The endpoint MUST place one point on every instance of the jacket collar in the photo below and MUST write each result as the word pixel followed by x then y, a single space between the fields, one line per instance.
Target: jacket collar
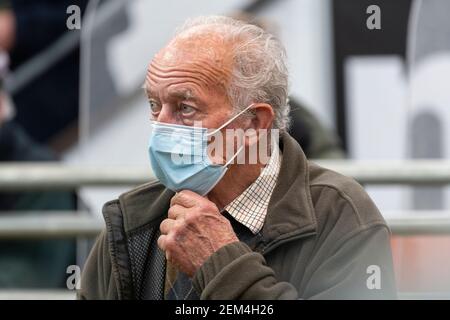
pixel 290 212
pixel 145 205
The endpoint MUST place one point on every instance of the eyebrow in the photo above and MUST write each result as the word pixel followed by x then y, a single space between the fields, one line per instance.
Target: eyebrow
pixel 184 94
pixel 147 91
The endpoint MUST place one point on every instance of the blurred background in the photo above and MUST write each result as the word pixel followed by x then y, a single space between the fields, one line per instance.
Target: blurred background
pixel 369 95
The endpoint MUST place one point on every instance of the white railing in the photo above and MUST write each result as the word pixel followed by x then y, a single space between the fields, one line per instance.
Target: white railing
pixel 73 224
pixel 39 176
pixel 37 224
pixel 56 175
pixel 30 176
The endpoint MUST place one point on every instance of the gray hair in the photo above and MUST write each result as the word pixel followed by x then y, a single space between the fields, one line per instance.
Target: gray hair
pixel 259 65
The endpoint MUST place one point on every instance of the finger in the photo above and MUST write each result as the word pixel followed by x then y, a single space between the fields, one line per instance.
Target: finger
pixel 176 212
pixel 168 256
pixel 166 226
pixel 186 198
pixel 162 242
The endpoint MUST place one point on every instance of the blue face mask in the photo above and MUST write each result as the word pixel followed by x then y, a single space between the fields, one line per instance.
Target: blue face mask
pixel 179 158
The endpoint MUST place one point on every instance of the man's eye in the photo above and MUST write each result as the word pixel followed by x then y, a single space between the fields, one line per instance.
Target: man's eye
pixel 154 106
pixel 186 109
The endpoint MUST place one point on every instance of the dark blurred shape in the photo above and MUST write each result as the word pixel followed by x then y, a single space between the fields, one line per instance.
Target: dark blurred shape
pixel 352 37
pixel 317 141
pixel 32 263
pixel 48 104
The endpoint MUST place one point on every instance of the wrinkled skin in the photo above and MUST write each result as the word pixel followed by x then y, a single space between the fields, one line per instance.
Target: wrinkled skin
pixel 193 231
pixel 186 82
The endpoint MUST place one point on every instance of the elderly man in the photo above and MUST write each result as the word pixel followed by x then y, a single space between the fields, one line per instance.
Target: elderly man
pixel 220 228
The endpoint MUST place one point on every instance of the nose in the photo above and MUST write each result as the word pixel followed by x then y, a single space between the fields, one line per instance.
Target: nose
pixel 166 115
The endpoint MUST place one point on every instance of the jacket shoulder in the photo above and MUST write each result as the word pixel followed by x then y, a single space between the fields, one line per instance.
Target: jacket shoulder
pixel 139 205
pixel 342 198
pixel 151 186
pixel 134 194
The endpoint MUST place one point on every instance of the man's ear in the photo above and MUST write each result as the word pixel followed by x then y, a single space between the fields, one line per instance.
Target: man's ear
pixel 263 116
pixel 260 123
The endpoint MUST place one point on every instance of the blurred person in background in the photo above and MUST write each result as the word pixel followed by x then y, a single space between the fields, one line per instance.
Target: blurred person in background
pixel 29 263
pixel 317 141
pixel 47 106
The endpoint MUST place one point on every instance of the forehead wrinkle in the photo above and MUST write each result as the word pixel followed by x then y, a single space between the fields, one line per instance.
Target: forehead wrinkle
pixel 204 60
pixel 179 73
pixel 211 74
pixel 215 66
pixel 181 92
pixel 222 75
pixel 180 80
pixel 194 78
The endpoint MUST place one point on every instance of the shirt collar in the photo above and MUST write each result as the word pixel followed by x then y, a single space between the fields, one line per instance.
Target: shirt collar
pixel 250 207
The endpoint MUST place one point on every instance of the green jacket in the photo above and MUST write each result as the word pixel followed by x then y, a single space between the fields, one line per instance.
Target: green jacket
pixel 322 237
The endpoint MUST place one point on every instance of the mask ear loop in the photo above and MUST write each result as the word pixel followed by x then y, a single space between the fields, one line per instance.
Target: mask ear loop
pixel 234 156
pixel 224 125
pixel 229 121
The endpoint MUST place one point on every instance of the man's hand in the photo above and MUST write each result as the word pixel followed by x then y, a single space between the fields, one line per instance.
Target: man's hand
pixel 194 230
